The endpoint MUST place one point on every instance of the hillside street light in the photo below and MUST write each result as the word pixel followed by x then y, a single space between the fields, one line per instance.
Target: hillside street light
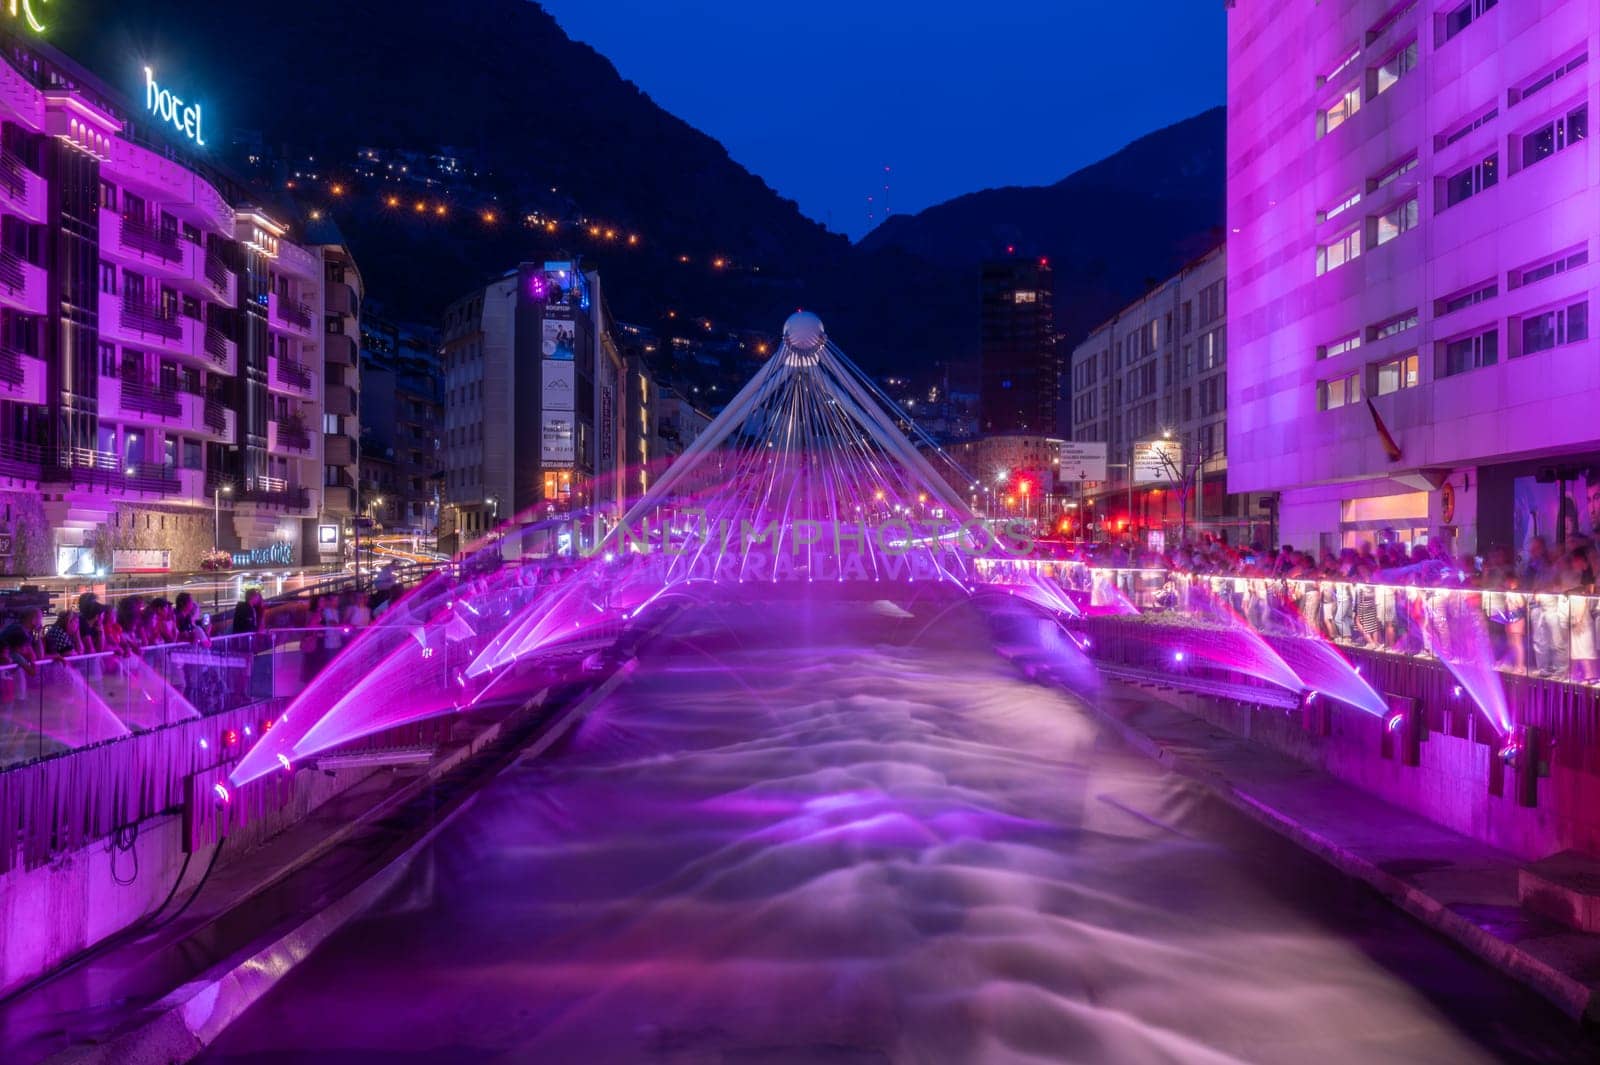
pixel 216 514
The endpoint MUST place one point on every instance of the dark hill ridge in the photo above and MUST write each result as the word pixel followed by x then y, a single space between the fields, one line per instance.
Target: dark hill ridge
pixel 500 79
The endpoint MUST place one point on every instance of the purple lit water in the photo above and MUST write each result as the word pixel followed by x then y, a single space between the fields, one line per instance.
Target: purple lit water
pixel 848 835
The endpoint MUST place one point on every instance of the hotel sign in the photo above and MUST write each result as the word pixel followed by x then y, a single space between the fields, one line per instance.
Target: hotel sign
pixel 23 9
pixel 280 553
pixel 162 103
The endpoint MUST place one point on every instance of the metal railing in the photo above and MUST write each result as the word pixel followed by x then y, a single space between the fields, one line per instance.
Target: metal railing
pixel 293 435
pixel 1550 632
pixel 292 373
pixel 293 497
pixel 216 272
pixel 148 239
pixel 11 272
pixel 10 365
pixel 61 704
pixel 13 175
pixel 147 317
pixel 216 415
pixel 150 398
pixel 294 312
pixel 216 344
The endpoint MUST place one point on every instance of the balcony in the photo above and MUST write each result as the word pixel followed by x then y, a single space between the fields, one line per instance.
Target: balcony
pixel 24 191
pixel 22 284
pixel 341 299
pixel 21 376
pixel 148 325
pixel 338 450
pixel 289 315
pixel 286 375
pixel 338 350
pixel 337 499
pixel 273 492
pixel 287 436
pixel 147 403
pixel 19 461
pixel 224 283
pixel 103 469
pixel 159 252
pixel 340 400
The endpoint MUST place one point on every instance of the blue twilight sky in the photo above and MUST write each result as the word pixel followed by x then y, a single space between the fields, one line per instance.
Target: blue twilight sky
pixel 818 96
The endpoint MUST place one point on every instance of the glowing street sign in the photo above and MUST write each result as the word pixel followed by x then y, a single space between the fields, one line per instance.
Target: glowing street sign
pixel 23 9
pixel 169 108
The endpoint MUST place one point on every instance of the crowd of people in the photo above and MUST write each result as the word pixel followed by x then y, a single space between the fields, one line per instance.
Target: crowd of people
pixel 1537 610
pixel 136 623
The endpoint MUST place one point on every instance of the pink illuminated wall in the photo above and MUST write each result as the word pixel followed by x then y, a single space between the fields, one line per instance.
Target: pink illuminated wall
pixel 1473 92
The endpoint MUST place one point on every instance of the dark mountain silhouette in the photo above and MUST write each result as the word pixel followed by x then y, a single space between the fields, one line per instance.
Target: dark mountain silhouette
pixel 501 83
pixel 1109 230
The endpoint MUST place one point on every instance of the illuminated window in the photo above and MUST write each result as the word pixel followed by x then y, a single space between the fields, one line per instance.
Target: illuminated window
pixel 1391 224
pixel 1341 67
pixel 1398 66
pixel 1340 251
pixel 1025 296
pixel 1339 208
pixel 1391 326
pixel 1339 391
pixel 1340 346
pixel 1389 176
pixel 1392 375
pixel 1342 110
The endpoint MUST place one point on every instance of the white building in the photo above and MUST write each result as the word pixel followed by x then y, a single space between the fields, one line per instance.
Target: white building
pixel 1158 370
pixel 1413 206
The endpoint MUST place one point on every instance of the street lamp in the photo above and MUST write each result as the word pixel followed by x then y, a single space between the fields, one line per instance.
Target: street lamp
pixel 216 514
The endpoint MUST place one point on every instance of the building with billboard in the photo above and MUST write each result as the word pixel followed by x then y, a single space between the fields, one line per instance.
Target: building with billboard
pixel 1412 206
pixel 533 426
pixel 162 370
pixel 1153 380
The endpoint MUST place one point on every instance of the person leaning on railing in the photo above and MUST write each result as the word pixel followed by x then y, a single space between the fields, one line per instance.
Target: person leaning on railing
pixel 186 621
pixel 64 636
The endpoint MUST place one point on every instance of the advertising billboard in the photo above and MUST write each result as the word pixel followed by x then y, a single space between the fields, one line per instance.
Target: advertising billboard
pixel 559 388
pixel 560 339
pixel 557 438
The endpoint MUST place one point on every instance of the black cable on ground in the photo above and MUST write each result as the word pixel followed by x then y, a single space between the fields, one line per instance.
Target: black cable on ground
pixel 123 841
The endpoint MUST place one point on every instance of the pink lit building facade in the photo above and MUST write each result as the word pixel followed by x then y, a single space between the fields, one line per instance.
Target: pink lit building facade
pixel 162 380
pixel 1413 213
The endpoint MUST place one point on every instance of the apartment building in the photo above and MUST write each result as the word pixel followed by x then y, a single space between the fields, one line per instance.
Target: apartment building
pixel 160 370
pixel 533 425
pixel 1158 371
pixel 1413 207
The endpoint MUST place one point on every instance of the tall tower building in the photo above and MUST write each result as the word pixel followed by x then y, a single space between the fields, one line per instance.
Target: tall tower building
pixel 1021 369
